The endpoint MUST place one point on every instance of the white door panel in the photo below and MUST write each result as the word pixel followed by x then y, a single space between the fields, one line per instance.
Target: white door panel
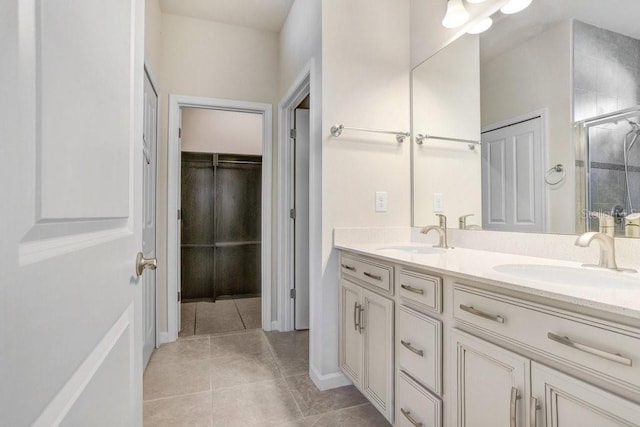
pixel 71 79
pixel 512 178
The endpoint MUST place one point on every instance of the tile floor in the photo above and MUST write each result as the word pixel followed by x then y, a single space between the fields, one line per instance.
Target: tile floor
pixel 246 378
pixel 203 318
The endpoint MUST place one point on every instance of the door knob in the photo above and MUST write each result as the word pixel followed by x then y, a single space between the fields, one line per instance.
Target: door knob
pixel 143 263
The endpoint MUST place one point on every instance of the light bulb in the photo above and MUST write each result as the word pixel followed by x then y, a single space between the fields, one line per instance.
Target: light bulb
pixel 475 1
pixel 515 6
pixel 456 14
pixel 481 26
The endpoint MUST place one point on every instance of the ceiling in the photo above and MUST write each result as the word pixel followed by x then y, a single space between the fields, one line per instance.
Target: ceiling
pixel 266 15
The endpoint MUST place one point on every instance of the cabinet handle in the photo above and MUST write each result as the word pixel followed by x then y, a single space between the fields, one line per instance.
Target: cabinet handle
pixel 512 407
pixel 373 276
pixel 360 310
pixel 348 267
pixel 408 345
pixel 494 317
pixel 408 416
pixel 412 289
pixel 591 350
pixel 534 407
pixel 355 315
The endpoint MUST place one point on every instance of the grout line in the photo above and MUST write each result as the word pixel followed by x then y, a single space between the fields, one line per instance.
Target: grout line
pixel 239 314
pixel 175 396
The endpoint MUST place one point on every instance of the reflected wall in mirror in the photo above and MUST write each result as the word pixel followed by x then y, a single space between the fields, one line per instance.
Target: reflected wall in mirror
pixel 558 85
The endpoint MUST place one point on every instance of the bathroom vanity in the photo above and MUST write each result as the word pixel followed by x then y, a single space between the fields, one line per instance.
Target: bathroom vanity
pixel 467 337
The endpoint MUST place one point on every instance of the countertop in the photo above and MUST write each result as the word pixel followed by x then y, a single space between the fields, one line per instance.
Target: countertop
pixel 478 265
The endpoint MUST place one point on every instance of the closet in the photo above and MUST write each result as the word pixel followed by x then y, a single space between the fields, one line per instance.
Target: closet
pixel 220 226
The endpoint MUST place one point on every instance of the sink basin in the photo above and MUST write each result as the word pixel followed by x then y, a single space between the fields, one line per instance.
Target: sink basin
pixel 424 250
pixel 578 276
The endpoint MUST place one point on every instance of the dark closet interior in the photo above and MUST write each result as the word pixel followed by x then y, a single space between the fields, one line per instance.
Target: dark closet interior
pixel 221 197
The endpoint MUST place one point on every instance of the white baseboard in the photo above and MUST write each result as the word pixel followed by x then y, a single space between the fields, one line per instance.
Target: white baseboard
pixel 163 338
pixel 329 381
pixel 275 326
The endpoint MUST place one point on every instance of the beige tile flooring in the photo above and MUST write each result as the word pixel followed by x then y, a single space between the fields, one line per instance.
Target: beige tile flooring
pixel 203 318
pixel 246 378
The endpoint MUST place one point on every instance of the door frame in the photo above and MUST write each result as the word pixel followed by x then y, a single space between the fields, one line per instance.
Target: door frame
pixel 302 86
pixel 154 84
pixel 173 190
pixel 543 113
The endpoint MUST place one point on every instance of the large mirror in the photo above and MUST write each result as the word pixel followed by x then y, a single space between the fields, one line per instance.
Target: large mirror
pixel 552 94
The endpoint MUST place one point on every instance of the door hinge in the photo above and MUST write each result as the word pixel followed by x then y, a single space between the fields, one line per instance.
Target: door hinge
pixel 179 214
pixel 179 296
pixel 292 134
pixel 179 132
pixel 292 214
pixel 292 293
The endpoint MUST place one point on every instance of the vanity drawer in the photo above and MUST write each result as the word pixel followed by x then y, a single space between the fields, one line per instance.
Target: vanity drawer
pixel 419 347
pixel 422 289
pixel 591 345
pixel 415 406
pixel 368 271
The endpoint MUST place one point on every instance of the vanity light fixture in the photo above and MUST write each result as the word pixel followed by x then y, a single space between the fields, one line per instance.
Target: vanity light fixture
pixel 456 14
pixel 515 6
pixel 481 26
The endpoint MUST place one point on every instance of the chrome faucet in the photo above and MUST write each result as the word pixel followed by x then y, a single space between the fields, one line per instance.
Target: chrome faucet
pixel 462 221
pixel 607 248
pixel 442 232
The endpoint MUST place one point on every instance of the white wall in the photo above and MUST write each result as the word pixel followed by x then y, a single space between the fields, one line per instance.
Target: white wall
pixel 446 102
pixel 218 131
pixel 536 74
pixel 365 78
pixel 152 31
pixel 208 59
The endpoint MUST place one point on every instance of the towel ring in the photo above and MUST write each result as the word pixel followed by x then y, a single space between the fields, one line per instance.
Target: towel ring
pixel 559 168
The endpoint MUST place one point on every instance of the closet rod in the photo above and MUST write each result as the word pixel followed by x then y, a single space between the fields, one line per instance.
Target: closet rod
pixel 336 131
pixel 471 143
pixel 239 162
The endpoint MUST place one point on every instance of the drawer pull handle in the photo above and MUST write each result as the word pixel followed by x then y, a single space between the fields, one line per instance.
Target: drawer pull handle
pixel 512 407
pixel 348 267
pixel 408 416
pixel 591 350
pixel 534 407
pixel 408 345
pixel 494 317
pixel 412 289
pixel 373 276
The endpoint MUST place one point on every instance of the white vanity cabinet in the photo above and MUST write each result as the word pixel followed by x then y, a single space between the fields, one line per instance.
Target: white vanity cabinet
pixel 366 336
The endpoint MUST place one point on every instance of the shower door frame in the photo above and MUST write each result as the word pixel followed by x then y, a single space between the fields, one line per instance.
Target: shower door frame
pixel 176 102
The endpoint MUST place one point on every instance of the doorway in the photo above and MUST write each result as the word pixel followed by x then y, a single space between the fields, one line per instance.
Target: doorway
pixel 177 104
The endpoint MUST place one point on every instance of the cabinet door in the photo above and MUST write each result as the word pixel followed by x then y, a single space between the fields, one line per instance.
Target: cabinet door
pixel 567 402
pixel 492 383
pixel 377 374
pixel 350 334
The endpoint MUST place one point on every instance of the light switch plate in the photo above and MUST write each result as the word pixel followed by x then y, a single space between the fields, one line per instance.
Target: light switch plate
pixel 438 203
pixel 381 201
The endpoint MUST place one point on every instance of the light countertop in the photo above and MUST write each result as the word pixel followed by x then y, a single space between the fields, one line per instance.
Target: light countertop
pixel 471 264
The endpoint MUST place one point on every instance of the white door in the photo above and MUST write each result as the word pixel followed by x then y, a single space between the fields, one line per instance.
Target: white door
pixel 568 402
pixel 512 178
pixel 492 383
pixel 301 265
pixel 71 79
pixel 149 168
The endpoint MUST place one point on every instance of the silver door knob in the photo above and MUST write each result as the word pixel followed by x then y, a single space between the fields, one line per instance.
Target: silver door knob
pixel 143 263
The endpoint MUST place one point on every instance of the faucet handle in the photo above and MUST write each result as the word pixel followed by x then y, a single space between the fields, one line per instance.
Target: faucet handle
pixel 443 220
pixel 462 221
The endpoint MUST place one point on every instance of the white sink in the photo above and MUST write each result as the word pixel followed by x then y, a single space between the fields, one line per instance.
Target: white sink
pixel 424 250
pixel 578 276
